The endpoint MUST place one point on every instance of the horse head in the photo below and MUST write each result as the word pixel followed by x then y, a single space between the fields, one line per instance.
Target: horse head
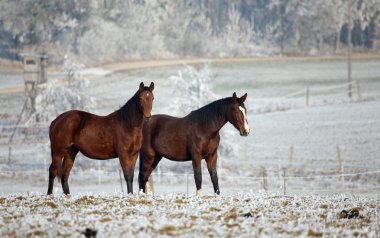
pixel 146 99
pixel 236 114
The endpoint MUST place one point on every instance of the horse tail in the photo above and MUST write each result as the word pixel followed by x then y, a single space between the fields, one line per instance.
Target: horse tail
pixel 52 149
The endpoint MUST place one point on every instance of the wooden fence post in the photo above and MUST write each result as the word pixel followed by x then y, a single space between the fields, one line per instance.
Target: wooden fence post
pixel 245 153
pixel 340 163
pixel 121 182
pixel 9 155
pixel 46 169
pixel 291 156
pixel 264 174
pixel 284 177
pixel 187 184
pixel 358 90
pixel 99 169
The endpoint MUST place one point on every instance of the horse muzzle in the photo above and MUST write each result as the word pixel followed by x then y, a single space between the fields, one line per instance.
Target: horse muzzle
pixel 244 132
pixel 147 118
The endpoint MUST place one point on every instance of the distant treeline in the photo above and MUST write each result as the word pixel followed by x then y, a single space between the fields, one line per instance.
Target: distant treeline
pixel 101 31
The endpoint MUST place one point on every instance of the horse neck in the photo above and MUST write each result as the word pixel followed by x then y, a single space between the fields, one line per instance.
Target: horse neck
pixel 213 118
pixel 131 113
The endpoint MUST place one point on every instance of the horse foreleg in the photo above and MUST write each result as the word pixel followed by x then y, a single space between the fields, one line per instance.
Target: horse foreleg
pixel 55 165
pixel 67 164
pixel 128 176
pixel 198 174
pixel 128 166
pixel 211 166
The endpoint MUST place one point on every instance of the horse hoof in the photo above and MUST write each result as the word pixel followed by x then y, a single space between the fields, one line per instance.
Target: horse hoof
pixel 200 192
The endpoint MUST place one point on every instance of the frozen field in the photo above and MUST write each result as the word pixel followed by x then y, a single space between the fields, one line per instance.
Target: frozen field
pixel 240 215
pixel 293 176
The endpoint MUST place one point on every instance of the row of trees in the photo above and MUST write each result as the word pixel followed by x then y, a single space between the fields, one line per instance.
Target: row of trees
pixel 324 24
pixel 101 31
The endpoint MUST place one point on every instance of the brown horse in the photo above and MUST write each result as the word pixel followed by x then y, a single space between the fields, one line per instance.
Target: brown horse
pixel 100 137
pixel 193 137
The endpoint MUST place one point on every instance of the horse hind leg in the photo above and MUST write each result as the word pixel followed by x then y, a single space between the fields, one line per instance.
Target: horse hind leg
pixel 67 165
pixel 211 166
pixel 54 169
pixel 147 165
pixel 149 183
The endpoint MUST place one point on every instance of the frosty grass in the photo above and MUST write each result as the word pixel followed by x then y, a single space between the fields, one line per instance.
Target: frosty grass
pixel 244 215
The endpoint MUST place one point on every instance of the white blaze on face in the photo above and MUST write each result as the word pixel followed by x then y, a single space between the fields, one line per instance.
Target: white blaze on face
pixel 246 127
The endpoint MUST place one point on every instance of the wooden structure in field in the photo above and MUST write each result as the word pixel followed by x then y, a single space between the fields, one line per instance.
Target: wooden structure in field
pixel 34 75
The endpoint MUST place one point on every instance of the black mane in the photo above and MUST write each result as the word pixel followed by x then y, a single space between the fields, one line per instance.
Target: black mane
pixel 211 113
pixel 128 112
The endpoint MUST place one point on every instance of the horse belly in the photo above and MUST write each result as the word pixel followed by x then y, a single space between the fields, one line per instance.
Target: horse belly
pixel 95 144
pixel 171 148
pixel 175 156
pixel 98 152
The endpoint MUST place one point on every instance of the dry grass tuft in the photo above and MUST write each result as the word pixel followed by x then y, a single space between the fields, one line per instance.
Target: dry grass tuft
pixel 314 233
pixel 51 204
pixel 167 230
pixel 135 202
pixel 36 233
pixel 107 219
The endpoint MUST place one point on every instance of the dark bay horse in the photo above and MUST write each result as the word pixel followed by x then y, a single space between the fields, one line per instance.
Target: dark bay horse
pixel 193 137
pixel 100 137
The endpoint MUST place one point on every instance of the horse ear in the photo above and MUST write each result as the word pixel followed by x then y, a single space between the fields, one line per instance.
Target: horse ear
pixel 244 97
pixel 141 86
pixel 151 86
pixel 234 96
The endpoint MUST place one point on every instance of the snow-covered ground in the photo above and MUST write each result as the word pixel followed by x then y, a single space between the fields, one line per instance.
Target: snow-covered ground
pixel 248 214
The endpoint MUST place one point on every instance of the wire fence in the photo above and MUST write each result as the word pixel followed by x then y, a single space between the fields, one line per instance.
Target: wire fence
pixel 306 92
pixel 309 89
pixel 361 183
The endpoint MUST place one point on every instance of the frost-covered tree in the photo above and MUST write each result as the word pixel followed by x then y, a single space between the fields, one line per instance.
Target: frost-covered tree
pixel 338 11
pixel 302 25
pixel 44 25
pixel 236 36
pixel 187 31
pixel 58 96
pixel 368 16
pixel 367 11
